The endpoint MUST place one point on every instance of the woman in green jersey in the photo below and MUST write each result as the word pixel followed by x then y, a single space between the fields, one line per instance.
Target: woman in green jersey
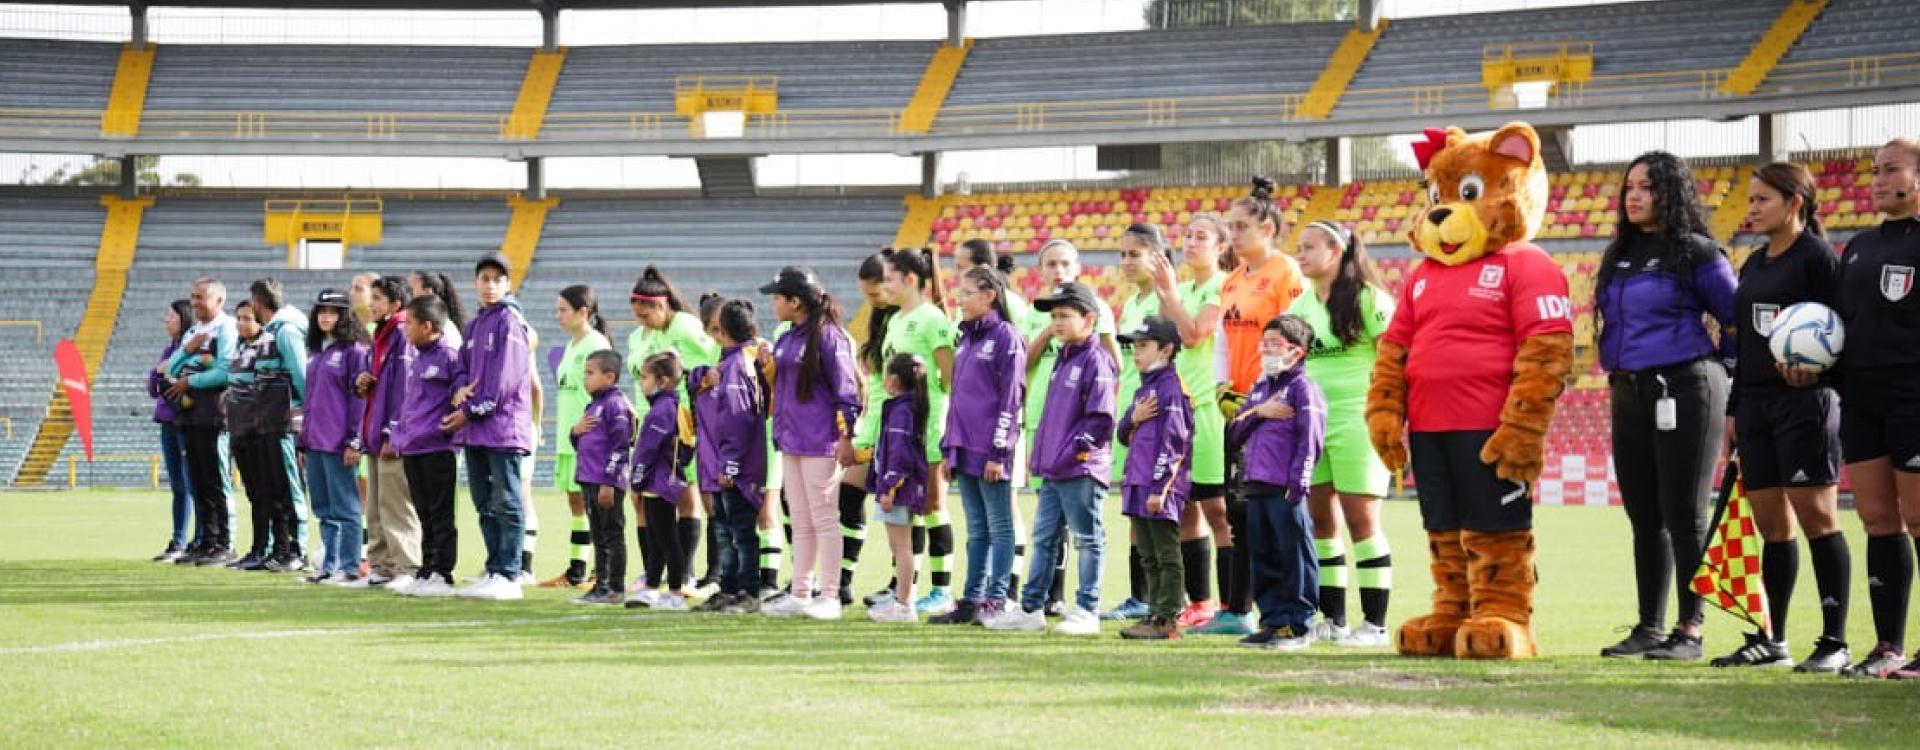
pixel 578 311
pixel 667 324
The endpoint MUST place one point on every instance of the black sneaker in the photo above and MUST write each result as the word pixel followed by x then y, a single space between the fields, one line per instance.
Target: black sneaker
pixel 1829 657
pixel 284 564
pixel 965 612
pixel 1757 652
pixel 1678 647
pixel 1884 658
pixel 1638 642
pixel 214 557
pixel 170 554
pixel 250 561
pixel 1262 638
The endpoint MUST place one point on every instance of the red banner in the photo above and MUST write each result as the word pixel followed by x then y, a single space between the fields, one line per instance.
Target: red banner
pixel 73 377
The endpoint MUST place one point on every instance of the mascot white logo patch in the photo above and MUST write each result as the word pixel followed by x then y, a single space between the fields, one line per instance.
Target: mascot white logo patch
pixel 1896 282
pixel 1491 276
pixel 1419 288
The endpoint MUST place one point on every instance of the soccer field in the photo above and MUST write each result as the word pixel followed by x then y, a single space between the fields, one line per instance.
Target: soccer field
pixel 100 648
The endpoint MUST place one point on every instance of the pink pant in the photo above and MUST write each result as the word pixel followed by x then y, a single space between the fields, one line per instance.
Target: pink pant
pixel 811 487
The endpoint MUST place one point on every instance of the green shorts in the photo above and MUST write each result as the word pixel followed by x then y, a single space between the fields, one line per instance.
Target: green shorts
pixel 563 466
pixel 1348 460
pixel 866 430
pixel 1209 442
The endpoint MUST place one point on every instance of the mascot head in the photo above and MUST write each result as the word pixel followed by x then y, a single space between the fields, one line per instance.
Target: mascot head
pixel 1484 191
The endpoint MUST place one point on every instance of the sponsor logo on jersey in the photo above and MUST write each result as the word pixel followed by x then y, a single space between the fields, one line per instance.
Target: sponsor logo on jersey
pixel 1491 276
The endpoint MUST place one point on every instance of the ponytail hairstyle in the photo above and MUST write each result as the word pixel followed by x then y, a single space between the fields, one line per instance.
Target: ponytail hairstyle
pixel 735 317
pixel 664 364
pixel 1791 180
pixel 920 264
pixel 1259 201
pixel 1229 257
pixel 980 253
pixel 709 305
pixel 581 297
pixel 395 290
pixel 1346 311
pixel 442 287
pixel 873 270
pixel 653 283
pixel 1156 242
pixel 990 280
pixel 913 379
pixel 822 314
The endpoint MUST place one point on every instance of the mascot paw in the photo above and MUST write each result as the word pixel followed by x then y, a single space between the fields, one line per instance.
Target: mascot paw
pixel 1494 638
pixel 1515 455
pixel 1428 635
pixel 1387 432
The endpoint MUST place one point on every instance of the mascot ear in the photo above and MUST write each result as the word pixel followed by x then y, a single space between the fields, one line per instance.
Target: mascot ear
pixel 1517 141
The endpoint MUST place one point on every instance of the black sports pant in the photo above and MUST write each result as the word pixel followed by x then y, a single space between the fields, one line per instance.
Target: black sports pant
pixel 1666 477
pixel 430 479
pixel 209 487
pixel 609 529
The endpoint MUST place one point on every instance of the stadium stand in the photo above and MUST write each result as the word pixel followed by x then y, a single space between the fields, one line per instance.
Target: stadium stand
pixel 60 75
pixel 827 75
pixel 335 78
pixel 47 251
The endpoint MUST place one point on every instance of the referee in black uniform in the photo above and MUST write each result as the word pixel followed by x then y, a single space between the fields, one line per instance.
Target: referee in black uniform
pixel 1786 421
pixel 1880 397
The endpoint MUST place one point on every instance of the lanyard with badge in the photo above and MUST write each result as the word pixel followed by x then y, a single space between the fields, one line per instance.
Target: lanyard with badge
pixel 1666 413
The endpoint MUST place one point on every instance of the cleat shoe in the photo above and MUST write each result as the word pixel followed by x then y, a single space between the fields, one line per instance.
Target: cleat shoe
pixel 562 581
pixel 1909 672
pixel 1829 657
pixel 1639 641
pixel 1678 647
pixel 878 598
pixel 1325 630
pixel 1883 660
pixel 1758 651
pixel 1131 609
pixel 1224 623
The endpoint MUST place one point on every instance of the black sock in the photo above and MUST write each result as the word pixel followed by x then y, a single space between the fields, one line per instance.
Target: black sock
pixel 1333 599
pixel 646 553
pixel 1058 591
pixel 940 550
pixel 853 528
pixel 1779 570
pixel 713 553
pixel 1833 574
pixel 1013 581
pixel 526 561
pixel 689 529
pixel 1193 555
pixel 1373 601
pixel 1223 572
pixel 1136 575
pixel 1889 581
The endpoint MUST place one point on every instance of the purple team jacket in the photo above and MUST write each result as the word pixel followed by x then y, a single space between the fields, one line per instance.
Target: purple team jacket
pixel 391 357
pixel 899 457
pixel 989 392
pixel 430 384
pixel 809 427
pixel 1282 452
pixel 1075 436
pixel 730 425
pixel 1159 450
pixel 157 385
pixel 602 452
pixel 658 461
pixel 1650 318
pixel 333 413
pixel 495 360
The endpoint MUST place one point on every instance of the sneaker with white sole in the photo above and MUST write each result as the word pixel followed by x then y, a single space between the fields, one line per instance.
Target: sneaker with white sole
pixel 432 586
pixel 642 599
pixel 1015 619
pixel 501 589
pixel 473 588
pixel 339 578
pixel 825 608
pixel 893 613
pixel 1325 630
pixel 937 602
pixel 669 602
pixel 362 582
pixel 1368 635
pixel 398 582
pixel 1078 621
pixel 788 606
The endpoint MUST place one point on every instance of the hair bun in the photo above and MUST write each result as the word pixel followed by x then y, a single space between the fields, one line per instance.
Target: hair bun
pixel 1262 188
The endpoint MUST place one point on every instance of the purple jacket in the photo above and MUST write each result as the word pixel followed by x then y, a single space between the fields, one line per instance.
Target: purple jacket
pixel 1075 436
pixel 333 413
pixel 601 453
pixel 156 385
pixel 1282 452
pixel 730 425
pixel 899 457
pixel 1651 318
pixel 430 384
pixel 809 427
pixel 989 389
pixel 495 360
pixel 389 385
pixel 1160 450
pixel 659 462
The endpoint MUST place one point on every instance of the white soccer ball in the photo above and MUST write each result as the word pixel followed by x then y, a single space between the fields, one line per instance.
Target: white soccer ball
pixel 1807 335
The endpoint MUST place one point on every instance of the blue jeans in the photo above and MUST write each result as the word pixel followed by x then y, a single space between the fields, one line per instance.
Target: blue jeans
pixel 493 478
pixel 173 453
pixel 989 509
pixel 336 501
pixel 735 527
pixel 1286 568
pixel 1075 505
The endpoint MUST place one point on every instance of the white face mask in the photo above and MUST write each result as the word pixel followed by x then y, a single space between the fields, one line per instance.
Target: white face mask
pixel 1274 364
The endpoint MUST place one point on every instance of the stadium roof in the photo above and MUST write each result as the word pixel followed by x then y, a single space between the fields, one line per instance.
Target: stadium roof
pixel 477 4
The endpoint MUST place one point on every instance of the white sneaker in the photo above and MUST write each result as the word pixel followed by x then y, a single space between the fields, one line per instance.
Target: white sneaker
pixel 1325 630
pixel 397 583
pixel 472 589
pixel 707 591
pixel 433 586
pixel 824 608
pixel 670 602
pixel 638 584
pixel 791 606
pixel 1078 621
pixel 1368 635
pixel 526 578
pixel 406 587
pixel 893 612
pixel 502 590
pixel 338 578
pixel 645 597
pixel 1015 619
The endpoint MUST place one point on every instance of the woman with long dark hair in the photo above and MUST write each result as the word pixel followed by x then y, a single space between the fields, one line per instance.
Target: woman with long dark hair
pixel 1660 275
pixel 869 334
pixel 331 427
pixel 921 328
pixel 1142 249
pixel 577 309
pixel 1349 309
pixel 429 283
pixel 173 452
pixel 667 324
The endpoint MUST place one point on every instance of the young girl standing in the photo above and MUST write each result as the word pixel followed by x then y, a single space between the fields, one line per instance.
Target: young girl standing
pixel 983 430
pixel 899 476
pixel 667 324
pixel 730 414
pixel 331 426
pixel 659 456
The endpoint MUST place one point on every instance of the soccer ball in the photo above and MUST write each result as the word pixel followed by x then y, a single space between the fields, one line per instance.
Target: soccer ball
pixel 1807 335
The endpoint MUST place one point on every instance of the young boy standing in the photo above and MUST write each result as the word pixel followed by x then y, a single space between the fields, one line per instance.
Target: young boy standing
pixel 492 419
pixel 1280 433
pixel 600 441
pixel 426 449
pixel 1158 431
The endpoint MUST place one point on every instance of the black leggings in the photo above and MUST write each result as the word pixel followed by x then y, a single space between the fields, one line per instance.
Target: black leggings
pixel 663 535
pixel 205 471
pixel 1666 477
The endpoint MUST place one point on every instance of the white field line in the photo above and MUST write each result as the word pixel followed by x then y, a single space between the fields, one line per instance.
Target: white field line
pixel 123 643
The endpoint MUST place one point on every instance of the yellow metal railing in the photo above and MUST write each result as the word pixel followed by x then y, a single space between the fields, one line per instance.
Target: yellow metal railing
pixel 9 423
pixel 38 331
pixel 151 459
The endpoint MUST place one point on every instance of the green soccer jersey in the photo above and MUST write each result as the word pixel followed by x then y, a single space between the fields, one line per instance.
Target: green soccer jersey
pixel 571 401
pixel 921 332
pixel 684 336
pixel 1344 371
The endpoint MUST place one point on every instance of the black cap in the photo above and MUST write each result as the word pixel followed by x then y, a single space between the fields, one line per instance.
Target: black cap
pixel 792 281
pixel 1072 294
pixel 1156 329
pixel 332 298
pixel 497 261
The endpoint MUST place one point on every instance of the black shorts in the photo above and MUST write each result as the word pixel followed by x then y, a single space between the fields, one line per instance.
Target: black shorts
pixel 1788 438
pixel 1458 492
pixel 1207 491
pixel 1880 417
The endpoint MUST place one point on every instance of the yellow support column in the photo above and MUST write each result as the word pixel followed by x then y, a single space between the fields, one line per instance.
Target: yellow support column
pixel 523 233
pixel 129 95
pixel 536 91
pixel 917 226
pixel 1340 70
pixel 935 83
pixel 1732 212
pixel 1773 45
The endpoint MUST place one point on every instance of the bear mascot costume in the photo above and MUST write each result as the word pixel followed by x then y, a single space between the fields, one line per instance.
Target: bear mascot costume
pixel 1465 383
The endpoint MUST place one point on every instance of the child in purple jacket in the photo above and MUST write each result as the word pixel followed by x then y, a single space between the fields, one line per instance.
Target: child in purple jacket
pixel 426 446
pixel 1157 428
pixel 493 419
pixel 730 417
pixel 1279 434
pixel 338 343
pixel 661 452
pixel 601 440
pixel 898 477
